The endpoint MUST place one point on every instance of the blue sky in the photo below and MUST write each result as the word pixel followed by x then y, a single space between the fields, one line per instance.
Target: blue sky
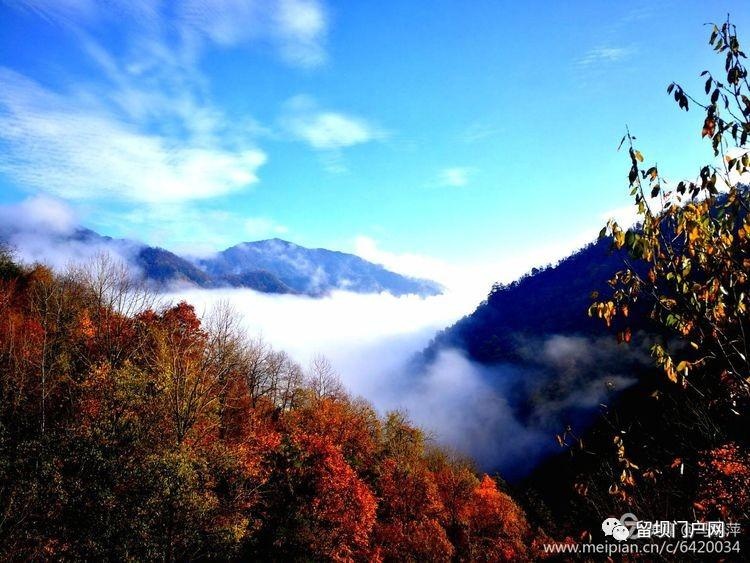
pixel 464 131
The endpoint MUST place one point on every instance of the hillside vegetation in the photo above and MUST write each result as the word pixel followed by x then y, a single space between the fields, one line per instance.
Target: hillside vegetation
pixel 131 431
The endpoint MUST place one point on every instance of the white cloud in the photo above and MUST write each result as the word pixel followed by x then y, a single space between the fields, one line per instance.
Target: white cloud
pixel 39 214
pixel 472 279
pixel 625 216
pixel 77 149
pixel 297 28
pixel 455 177
pixel 43 229
pixel 303 19
pixel 76 12
pixel 604 55
pixel 224 22
pixel 479 131
pixel 301 28
pixel 329 130
pixel 143 132
pixel 258 227
pixel 343 326
pixel 461 403
pixel 408 264
pixel 372 340
pixel 324 129
pixel 475 276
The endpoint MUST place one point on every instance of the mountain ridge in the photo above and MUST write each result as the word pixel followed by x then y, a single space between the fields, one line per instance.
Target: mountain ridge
pixel 269 265
pixel 313 271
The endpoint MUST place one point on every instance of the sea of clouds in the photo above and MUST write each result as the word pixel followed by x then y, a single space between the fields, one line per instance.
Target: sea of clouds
pixel 504 416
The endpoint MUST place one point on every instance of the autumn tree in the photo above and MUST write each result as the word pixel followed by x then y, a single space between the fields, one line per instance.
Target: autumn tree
pixel 695 238
pixel 322 378
pixel 133 430
pixel 317 506
pixel 689 256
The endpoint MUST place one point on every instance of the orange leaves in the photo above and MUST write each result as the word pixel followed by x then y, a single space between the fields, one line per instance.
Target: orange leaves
pixel 488 503
pixel 494 527
pixel 709 127
pixel 724 474
pixel 664 360
pixel 314 504
pixel 353 427
pixel 424 540
pixel 605 310
pixel 341 511
pixel 691 255
pixel 182 318
pixel 181 431
pixel 408 493
pixel 86 328
pixel 497 526
pixel 719 312
pixel 624 336
pixel 619 239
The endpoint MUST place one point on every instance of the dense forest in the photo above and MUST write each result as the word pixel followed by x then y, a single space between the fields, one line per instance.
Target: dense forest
pixel 135 431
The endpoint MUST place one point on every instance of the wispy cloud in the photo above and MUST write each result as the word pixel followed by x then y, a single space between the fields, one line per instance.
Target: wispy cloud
pixel 143 131
pixel 42 229
pixel 455 176
pixel 325 129
pixel 479 131
pixel 75 13
pixel 77 148
pixel 258 227
pixel 301 28
pixel 604 55
pixel 297 28
pixel 193 230
pixel 330 130
pixel 38 214
pixel 470 279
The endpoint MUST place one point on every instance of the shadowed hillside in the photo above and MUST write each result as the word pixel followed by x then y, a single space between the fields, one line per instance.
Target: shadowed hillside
pixel 546 301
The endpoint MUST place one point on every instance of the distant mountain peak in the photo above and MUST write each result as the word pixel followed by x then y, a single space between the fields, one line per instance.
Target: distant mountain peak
pixel 313 271
pixel 268 242
pixel 271 265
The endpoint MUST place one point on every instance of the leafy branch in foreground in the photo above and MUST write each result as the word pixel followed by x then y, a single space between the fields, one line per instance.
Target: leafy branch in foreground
pixel 687 263
pixel 695 239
